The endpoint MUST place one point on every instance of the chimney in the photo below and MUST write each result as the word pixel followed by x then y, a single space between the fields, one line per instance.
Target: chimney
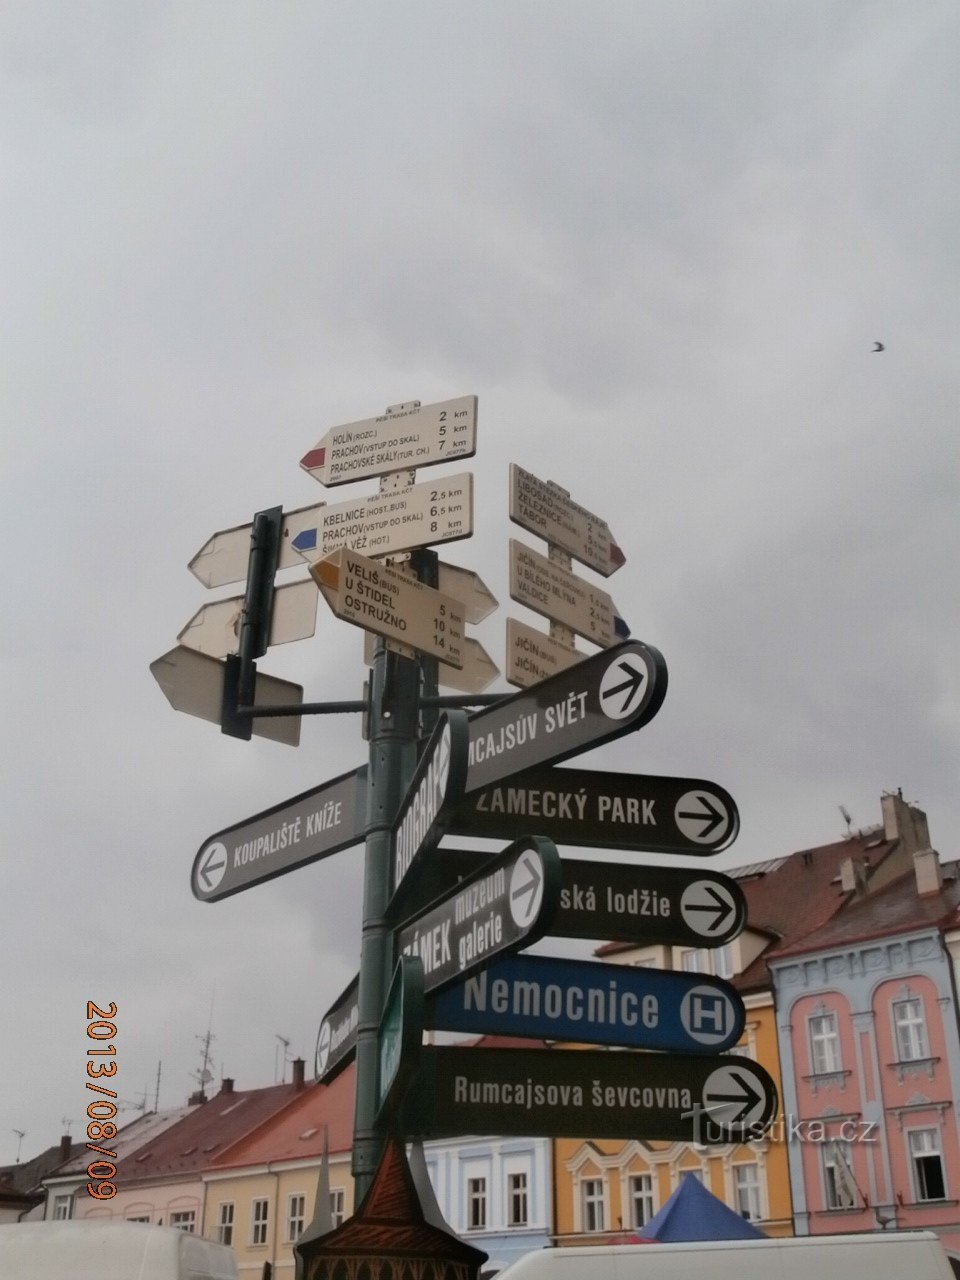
pixel 929 873
pixel 904 822
pixel 226 1085
pixel 196 1098
pixel 65 1145
pixel 853 876
pixel 298 1071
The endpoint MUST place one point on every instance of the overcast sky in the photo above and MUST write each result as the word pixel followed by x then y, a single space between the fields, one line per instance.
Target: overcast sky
pixel 657 240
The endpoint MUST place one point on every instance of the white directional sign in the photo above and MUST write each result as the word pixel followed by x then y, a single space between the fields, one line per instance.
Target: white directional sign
pixel 224 558
pixel 532 656
pixel 379 599
pixel 400 441
pixel 397 520
pixel 193 682
pixel 215 629
pixel 469 588
pixel 477 673
pixel 548 512
pixel 563 597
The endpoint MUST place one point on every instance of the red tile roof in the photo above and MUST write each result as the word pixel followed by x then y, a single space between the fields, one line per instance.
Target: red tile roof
pixel 296 1132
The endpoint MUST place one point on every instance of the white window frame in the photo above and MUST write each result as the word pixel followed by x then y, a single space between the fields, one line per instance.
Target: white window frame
pixel 337 1202
pixel 695 960
pixel 184 1220
pixel 640 1195
pixel 909 1029
pixel 825 1055
pixel 930 1140
pixel 746 1190
pixel 593 1204
pixel 296 1213
pixel 835 1194
pixel 225 1213
pixel 477 1203
pixel 518 1199
pixel 259 1220
pixel 62 1208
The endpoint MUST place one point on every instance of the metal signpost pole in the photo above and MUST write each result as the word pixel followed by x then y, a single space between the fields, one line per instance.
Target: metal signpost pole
pixel 393 751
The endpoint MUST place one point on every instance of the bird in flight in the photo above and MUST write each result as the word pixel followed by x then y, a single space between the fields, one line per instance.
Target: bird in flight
pixel 878 346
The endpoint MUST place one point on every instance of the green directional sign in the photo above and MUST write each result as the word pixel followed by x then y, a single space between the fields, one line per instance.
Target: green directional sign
pixel 588 1093
pixel 401 1031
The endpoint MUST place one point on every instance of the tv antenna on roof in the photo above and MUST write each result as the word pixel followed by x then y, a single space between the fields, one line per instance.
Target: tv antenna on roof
pixel 847 819
pixel 280 1063
pixel 21 1134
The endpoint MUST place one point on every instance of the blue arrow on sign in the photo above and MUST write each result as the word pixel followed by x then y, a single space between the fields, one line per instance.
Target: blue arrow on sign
pixel 591 1003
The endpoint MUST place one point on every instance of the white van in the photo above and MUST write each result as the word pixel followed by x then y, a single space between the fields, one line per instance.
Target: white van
pixel 94 1250
pixel 892 1255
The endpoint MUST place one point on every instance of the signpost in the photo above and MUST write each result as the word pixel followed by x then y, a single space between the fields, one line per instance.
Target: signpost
pixel 601 698
pixel 193 682
pixel 588 1094
pixel 312 825
pixel 582 1001
pixel 418 436
pixel 434 792
pixel 533 656
pixel 224 557
pixel 507 904
pixel 215 628
pixel 545 510
pixel 337 1037
pixel 391 521
pixel 562 597
pixel 380 599
pixel 605 810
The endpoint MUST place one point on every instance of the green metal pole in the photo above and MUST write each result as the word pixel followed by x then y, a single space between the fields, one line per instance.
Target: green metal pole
pixel 393 726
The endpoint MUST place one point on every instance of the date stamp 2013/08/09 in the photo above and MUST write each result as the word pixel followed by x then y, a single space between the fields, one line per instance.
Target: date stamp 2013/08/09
pixel 102 1111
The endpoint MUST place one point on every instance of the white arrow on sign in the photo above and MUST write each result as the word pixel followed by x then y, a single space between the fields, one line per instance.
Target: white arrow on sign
pixel 526 888
pixel 623 686
pixel 193 682
pixel 379 599
pixel 706 907
pixel 733 1097
pixel 224 558
pixel 701 817
pixel 215 629
pixel 411 436
pixel 211 867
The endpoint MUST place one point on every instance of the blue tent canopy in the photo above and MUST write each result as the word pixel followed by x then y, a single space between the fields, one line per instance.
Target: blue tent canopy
pixel 694 1213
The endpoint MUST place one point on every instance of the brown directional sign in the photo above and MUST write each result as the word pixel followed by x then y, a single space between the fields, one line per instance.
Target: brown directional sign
pixel 604 810
pixel 557 1093
pixel 508 903
pixel 312 825
pixel 601 698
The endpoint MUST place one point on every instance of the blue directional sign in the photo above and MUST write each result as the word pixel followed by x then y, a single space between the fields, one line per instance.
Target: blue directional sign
pixel 580 1000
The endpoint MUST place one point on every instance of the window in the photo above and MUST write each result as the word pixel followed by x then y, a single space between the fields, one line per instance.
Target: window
pixel 746 1187
pixel 62 1207
pixel 910 1029
pixel 336 1206
pixel 184 1220
pixel 641 1198
pixel 695 961
pixel 591 1193
pixel 824 1044
pixel 839 1187
pixel 517 1206
pixel 138 1217
pixel 296 1211
pixel 260 1211
pixel 225 1223
pixel 927 1162
pixel 476 1204
pixel 723 961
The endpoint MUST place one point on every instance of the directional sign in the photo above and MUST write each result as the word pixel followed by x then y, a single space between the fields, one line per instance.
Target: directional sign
pixel 605 810
pixel 397 520
pixel 337 1038
pixel 215 629
pixel 545 510
pixel 601 698
pixel 312 825
pixel 477 673
pixel 469 588
pixel 193 682
pixel 532 656
pixel 508 904
pixel 225 557
pixel 563 597
pixel 380 599
pixel 434 792
pixel 620 902
pixel 414 437
pixel 580 1000
pixel 401 1031
pixel 588 1093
